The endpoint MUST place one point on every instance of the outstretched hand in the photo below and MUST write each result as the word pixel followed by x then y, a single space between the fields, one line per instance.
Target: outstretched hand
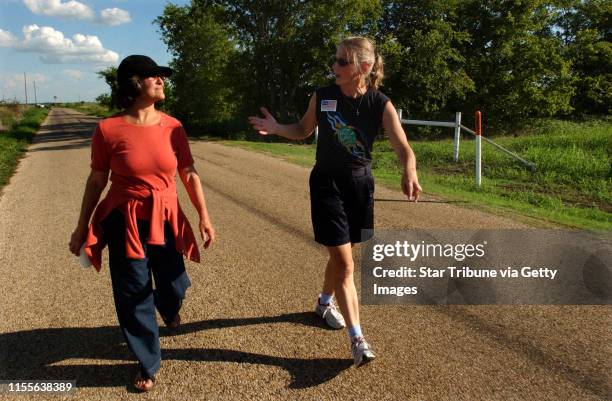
pixel 266 125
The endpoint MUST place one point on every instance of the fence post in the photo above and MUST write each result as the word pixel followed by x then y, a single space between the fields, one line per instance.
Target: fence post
pixel 399 114
pixel 457 135
pixel 316 134
pixel 478 141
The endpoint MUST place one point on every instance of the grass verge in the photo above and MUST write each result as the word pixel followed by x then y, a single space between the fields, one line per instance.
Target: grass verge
pixel 90 108
pixel 14 142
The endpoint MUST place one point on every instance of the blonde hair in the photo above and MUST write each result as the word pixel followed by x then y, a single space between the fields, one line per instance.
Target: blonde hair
pixel 360 50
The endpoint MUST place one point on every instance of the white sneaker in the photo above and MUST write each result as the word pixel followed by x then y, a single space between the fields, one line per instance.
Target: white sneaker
pixel 362 353
pixel 331 315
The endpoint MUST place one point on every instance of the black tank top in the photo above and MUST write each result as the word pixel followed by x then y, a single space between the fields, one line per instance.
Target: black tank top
pixel 347 127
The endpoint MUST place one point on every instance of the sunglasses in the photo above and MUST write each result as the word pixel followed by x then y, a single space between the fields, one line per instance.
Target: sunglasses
pixel 342 62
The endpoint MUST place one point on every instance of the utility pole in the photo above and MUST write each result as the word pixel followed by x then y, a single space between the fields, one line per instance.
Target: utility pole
pixel 25 87
pixel 35 100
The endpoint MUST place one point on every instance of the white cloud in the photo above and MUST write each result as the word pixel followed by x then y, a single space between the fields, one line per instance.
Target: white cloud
pixel 7 39
pixel 114 16
pixel 53 48
pixel 74 74
pixel 39 78
pixel 75 10
pixel 12 82
pixel 55 8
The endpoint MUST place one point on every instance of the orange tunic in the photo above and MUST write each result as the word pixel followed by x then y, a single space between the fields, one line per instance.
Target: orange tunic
pixel 143 161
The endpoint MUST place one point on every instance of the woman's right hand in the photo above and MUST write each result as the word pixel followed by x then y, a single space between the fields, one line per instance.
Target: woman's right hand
pixel 207 232
pixel 76 240
pixel 266 125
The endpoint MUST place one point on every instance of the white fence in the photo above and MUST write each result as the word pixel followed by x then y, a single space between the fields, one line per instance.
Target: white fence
pixel 457 126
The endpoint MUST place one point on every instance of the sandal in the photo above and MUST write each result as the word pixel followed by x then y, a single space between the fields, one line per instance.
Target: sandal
pixel 142 384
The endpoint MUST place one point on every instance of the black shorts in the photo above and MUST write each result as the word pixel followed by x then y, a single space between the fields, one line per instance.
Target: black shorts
pixel 342 205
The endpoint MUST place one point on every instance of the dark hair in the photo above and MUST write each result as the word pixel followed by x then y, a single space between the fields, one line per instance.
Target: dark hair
pixel 127 91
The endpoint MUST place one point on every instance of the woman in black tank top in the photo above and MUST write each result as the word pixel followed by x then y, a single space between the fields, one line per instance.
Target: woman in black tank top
pixel 349 114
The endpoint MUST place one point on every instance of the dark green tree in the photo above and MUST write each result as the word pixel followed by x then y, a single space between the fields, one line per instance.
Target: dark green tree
pixel 512 59
pixel 287 45
pixel 110 76
pixel 515 60
pixel 105 100
pixel 424 67
pixel 203 83
pixel 231 56
pixel 586 28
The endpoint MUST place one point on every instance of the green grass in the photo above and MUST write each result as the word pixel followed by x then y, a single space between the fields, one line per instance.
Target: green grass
pixel 9 114
pixel 304 155
pixel 92 108
pixel 14 142
pixel 572 185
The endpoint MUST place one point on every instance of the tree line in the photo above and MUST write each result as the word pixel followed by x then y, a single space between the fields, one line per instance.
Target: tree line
pixel 511 59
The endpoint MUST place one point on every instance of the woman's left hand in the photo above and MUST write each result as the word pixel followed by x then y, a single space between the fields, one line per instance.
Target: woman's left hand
pixel 77 239
pixel 207 232
pixel 410 185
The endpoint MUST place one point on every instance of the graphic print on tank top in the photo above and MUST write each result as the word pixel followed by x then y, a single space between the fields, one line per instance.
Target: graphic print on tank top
pixel 348 136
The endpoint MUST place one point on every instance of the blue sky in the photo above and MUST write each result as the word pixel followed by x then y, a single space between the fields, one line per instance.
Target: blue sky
pixel 61 44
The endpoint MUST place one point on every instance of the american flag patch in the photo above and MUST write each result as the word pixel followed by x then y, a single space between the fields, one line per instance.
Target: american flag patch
pixel 328 105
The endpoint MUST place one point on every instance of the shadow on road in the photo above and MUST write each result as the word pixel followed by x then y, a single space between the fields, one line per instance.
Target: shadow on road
pixel 66 354
pixel 581 377
pixel 74 135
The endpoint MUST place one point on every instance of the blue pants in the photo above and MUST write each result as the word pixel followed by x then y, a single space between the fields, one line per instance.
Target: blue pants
pixel 135 298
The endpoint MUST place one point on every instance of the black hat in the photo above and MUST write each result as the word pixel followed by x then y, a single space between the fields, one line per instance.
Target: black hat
pixel 142 66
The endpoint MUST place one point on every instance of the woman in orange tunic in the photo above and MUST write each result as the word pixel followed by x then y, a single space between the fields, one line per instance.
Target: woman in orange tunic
pixel 140 218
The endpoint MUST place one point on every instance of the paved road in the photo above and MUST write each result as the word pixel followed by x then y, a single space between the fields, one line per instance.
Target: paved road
pixel 249 332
